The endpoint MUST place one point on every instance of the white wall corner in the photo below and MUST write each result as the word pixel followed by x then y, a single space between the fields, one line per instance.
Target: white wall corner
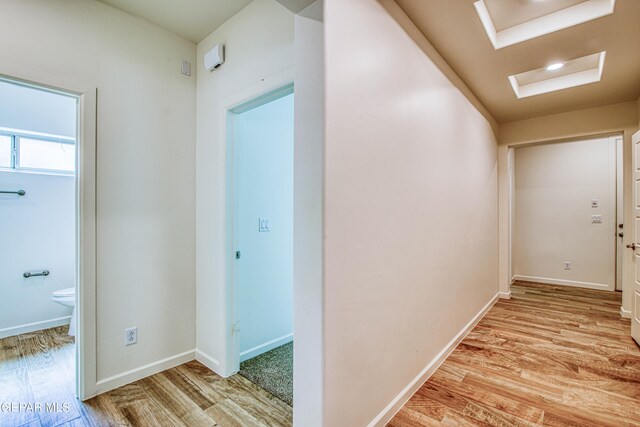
pixel 403 397
pixel 209 361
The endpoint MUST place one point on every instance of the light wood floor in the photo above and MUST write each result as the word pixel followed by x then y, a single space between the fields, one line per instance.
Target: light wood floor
pixel 551 356
pixel 39 368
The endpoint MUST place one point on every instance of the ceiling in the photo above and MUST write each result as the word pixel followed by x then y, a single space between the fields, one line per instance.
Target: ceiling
pixel 506 14
pixel 455 30
pixel 191 19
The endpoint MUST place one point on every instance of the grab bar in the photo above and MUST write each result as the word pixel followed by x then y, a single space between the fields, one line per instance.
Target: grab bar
pixel 42 273
pixel 19 192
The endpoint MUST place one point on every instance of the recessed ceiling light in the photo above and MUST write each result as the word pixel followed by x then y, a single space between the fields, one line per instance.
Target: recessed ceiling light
pixel 555 66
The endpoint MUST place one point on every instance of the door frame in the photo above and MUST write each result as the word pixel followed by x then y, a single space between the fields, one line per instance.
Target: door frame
pixel 635 290
pixel 506 166
pixel 85 207
pixel 267 90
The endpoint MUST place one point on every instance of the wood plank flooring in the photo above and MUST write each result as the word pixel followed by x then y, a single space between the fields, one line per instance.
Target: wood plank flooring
pixel 39 368
pixel 549 356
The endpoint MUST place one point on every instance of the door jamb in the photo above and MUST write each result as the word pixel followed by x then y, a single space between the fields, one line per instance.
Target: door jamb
pixel 85 201
pixel 276 84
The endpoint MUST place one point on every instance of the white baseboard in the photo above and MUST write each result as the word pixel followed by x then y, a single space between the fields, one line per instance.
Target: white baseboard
pixel 35 326
pixel 505 295
pixel 625 313
pixel 136 374
pixel 208 361
pixel 561 282
pixel 398 402
pixel 263 348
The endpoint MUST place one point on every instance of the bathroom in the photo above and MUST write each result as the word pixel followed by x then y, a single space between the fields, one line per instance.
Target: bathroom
pixel 38 130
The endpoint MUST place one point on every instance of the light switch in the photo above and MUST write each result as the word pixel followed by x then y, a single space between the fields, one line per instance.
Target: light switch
pixel 596 219
pixel 264 225
pixel 186 68
pixel 594 203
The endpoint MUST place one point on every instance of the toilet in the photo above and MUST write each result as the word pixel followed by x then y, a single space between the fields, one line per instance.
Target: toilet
pixel 67 297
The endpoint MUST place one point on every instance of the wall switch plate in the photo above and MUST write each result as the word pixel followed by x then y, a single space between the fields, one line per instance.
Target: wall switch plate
pixel 130 336
pixel 567 265
pixel 596 219
pixel 186 68
pixel 264 225
pixel 594 203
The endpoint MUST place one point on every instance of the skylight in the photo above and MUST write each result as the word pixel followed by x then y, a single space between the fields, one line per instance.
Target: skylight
pixel 576 72
pixel 536 20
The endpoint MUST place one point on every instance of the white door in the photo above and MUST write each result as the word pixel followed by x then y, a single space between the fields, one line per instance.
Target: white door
pixel 635 306
pixel 620 251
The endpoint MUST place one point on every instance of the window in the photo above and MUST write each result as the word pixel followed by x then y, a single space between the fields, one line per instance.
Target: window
pixel 20 151
pixel 42 154
pixel 6 144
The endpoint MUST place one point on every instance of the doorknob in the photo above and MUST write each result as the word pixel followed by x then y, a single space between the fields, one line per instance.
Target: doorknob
pixel 620 234
pixel 632 246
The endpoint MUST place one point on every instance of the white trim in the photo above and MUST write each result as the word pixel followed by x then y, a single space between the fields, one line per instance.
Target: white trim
pixel 399 401
pixel 136 374
pixel 209 361
pixel 263 348
pixel 86 253
pixel 562 282
pixel 625 313
pixel 35 326
pixel 505 295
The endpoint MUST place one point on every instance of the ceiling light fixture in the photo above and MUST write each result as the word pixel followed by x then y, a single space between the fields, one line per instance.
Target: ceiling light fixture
pixel 555 66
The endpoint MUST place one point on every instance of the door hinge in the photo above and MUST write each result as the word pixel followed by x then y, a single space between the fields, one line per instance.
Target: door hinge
pixel 235 328
pixel 238 254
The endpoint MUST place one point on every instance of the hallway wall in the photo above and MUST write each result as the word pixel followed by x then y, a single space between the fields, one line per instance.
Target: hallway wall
pixel 554 187
pixel 410 211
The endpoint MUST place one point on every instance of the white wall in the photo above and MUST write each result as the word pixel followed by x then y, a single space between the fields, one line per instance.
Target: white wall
pixel 145 164
pixel 583 124
pixel 264 140
pixel 259 44
pixel 38 233
pixel 25 108
pixel 554 187
pixel 411 251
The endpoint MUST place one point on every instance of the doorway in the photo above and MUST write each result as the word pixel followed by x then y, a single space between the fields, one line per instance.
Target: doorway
pixel 566 213
pixel 261 142
pixel 39 133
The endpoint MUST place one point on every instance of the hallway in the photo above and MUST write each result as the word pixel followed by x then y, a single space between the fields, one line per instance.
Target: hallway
pixel 551 355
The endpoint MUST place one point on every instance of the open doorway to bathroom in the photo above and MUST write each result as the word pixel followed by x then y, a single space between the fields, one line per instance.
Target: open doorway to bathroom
pixel 38 257
pixel 261 137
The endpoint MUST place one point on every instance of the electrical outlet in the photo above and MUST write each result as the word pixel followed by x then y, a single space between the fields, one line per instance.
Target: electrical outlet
pixel 596 219
pixel 567 265
pixel 130 336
